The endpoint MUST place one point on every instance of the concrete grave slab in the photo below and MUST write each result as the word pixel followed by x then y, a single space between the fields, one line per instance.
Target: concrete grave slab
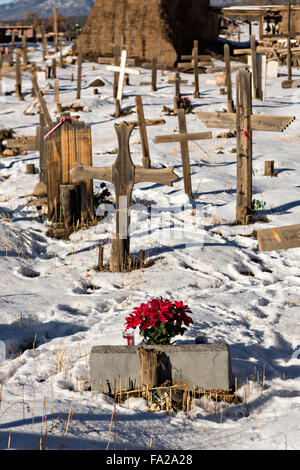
pixel 207 366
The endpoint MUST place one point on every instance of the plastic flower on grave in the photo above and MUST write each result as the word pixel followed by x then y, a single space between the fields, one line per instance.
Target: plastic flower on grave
pixel 159 320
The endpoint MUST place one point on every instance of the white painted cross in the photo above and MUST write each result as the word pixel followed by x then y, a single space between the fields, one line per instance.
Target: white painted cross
pixel 122 70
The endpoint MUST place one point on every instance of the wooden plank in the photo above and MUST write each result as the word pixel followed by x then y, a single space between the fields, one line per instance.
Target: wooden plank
pixel 148 122
pixel 24 143
pixel 163 139
pixel 258 122
pixel 280 238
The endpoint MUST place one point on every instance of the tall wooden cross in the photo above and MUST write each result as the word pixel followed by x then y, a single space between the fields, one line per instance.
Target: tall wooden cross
pixel 155 66
pixel 122 70
pixel 183 137
pixel 245 123
pixel 12 46
pixel 123 174
pixel 79 73
pixel 230 105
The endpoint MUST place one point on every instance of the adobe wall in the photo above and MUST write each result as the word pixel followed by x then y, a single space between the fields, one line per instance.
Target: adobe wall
pixel 161 28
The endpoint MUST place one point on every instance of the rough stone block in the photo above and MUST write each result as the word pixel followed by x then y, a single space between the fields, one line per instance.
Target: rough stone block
pixel 206 366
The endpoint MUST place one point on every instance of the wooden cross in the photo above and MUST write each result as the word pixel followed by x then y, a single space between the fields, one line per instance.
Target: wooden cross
pixel 123 174
pixel 155 66
pixel 44 45
pixel 183 137
pixel 280 238
pixel 245 123
pixel 122 69
pixel 24 47
pixel 194 57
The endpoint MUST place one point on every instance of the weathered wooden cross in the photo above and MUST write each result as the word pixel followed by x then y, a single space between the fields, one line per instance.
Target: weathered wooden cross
pixel 183 137
pixel 123 174
pixel 245 123
pixel 40 98
pixel 155 66
pixel 230 105
pixel 55 29
pixel 122 69
pixel 12 46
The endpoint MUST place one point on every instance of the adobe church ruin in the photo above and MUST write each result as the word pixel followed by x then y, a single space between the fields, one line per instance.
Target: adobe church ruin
pixel 162 28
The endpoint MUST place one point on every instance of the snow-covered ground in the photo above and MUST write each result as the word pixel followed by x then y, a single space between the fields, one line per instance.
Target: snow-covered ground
pixel 248 299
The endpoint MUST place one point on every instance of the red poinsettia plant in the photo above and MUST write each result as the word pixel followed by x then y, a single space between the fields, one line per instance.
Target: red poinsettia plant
pixel 159 320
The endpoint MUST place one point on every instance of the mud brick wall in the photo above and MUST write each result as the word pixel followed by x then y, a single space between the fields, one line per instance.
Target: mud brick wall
pixel 162 28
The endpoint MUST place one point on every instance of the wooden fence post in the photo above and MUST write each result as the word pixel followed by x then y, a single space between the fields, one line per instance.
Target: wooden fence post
pixel 244 147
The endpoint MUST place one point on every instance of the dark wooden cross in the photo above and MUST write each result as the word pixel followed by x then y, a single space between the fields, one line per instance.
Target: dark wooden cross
pixel 155 66
pixel 183 137
pixel 123 174
pixel 245 123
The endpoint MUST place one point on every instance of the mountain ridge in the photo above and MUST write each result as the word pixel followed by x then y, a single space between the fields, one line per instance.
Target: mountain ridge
pixel 16 9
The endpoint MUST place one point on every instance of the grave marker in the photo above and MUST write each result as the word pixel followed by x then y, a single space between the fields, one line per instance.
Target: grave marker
pixel 55 29
pixel 122 70
pixel 143 133
pixel 245 123
pixel 272 69
pixel 228 83
pixel 183 137
pixel 123 174
pixel 35 102
pixel 19 78
pixel 40 98
pixel 261 64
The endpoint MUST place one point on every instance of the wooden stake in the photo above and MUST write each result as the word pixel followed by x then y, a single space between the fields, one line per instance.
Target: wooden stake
pixel 244 148
pixel 117 53
pixel 54 68
pixel 230 105
pixel 154 74
pixel 79 72
pixel 143 133
pixel 100 266
pixel 55 29
pixel 254 66
pixel 19 78
pixel 196 70
pixel 269 168
pixel 44 45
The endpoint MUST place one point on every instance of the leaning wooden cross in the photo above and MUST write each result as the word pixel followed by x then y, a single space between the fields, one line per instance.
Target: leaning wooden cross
pixel 123 174
pixel 183 137
pixel 279 238
pixel 245 123
pixel 122 71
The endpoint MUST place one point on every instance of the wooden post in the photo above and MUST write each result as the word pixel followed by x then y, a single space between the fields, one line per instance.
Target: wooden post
pixel 12 46
pixel 55 29
pixel 30 169
pixel 39 96
pixel 196 70
pixel 177 92
pixel 117 53
pixel 100 257
pixel 123 175
pixel 269 168
pixel 44 45
pixel 41 146
pixel 230 105
pixel 143 133
pixel 261 26
pixel 244 148
pixel 183 137
pixel 68 208
pixel 56 90
pixel 24 47
pixel 154 74
pixel 79 73
pixel 289 51
pixel 19 78
pixel 254 66
pixel 54 68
